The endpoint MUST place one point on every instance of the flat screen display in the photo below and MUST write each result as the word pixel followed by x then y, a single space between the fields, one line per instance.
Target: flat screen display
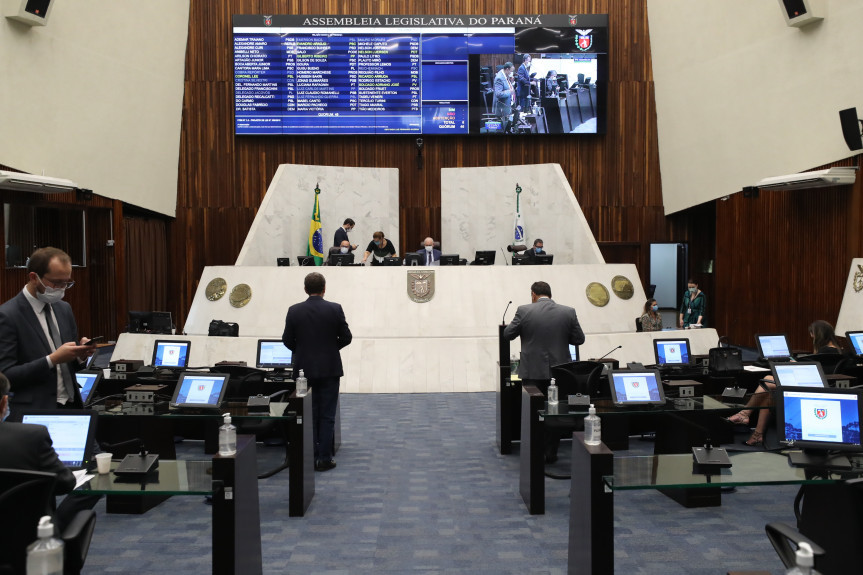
pixel 636 387
pixel 820 418
pixel 773 345
pixel 72 433
pixel 273 354
pixel 799 374
pixel 88 381
pixel 856 339
pixel 200 390
pixel 671 351
pixel 171 353
pixel 391 74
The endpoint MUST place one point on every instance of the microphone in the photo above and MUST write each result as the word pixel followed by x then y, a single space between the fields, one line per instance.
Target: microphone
pixel 517 248
pixel 503 319
pixel 504 259
pixel 606 355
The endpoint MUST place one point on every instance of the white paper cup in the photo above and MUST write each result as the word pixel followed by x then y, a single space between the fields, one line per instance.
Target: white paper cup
pixel 103 462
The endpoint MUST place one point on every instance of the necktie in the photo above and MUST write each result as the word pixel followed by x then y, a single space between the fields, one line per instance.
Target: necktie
pixel 55 336
pixel 428 258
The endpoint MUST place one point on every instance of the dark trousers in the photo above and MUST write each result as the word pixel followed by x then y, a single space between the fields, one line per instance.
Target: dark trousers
pixel 325 399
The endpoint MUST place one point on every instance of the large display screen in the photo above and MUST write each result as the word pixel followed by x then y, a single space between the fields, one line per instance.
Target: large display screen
pixel 420 74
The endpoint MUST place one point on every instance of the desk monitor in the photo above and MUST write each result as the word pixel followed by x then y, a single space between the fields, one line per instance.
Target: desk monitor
pixel 543 259
pixel 101 358
pixel 643 387
pixel 283 262
pixel 773 346
pixel 414 260
pixel 88 381
pixel 391 261
pixel 72 431
pixel 819 421
pixel 161 322
pixel 171 353
pixel 305 260
pixel 522 260
pixel 273 354
pixel 449 260
pixel 573 352
pixel 798 374
pixel 484 258
pixel 856 339
pixel 340 259
pixel 672 351
pixel 200 390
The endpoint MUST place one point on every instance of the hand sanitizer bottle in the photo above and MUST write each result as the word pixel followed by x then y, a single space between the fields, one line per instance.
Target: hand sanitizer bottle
pixel 302 385
pixel 805 560
pixel 592 427
pixel 227 437
pixel 45 555
pixel 552 393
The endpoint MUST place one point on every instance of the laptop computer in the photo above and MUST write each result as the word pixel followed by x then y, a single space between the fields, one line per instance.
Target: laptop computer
pixel 171 353
pixel 773 346
pixel 798 374
pixel 73 433
pixel 856 339
pixel 672 353
pixel 88 381
pixel 643 387
pixel 200 391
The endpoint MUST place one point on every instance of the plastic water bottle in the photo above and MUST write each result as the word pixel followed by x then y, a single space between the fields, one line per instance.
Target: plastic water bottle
pixel 552 393
pixel 302 385
pixel 805 560
pixel 592 427
pixel 227 437
pixel 45 555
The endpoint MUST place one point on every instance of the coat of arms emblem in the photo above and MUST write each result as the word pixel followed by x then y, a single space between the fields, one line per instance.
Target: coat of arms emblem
pixel 858 279
pixel 421 286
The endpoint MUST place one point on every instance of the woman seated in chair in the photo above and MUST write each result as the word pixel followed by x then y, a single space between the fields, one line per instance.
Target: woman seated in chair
pixel 823 341
pixel 651 319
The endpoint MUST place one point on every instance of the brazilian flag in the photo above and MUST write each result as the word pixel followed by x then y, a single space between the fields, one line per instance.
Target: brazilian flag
pixel 316 238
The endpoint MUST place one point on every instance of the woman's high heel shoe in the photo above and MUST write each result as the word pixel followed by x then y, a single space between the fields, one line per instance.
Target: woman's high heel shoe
pixel 757 438
pixel 740 418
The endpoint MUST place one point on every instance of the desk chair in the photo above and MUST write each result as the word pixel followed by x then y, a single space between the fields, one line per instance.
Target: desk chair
pixel 26 496
pixel 829 361
pixel 638 326
pixel 785 540
pixel 578 377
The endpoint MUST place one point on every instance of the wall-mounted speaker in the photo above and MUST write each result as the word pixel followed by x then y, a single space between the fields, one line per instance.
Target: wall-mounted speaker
pixel 851 129
pixel 30 12
pixel 799 12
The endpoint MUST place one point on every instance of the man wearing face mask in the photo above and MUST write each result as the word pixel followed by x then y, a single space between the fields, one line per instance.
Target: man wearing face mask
pixel 536 250
pixel 523 86
pixel 341 235
pixel 431 256
pixel 38 334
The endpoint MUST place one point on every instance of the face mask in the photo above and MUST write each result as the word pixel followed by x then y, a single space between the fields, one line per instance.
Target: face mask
pixel 349 230
pixel 51 295
pixel 693 289
pixel 377 242
pixel 655 308
pixel 539 250
pixel 344 250
pixel 429 248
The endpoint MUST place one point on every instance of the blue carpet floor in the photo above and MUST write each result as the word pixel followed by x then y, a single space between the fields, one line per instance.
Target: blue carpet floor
pixel 420 488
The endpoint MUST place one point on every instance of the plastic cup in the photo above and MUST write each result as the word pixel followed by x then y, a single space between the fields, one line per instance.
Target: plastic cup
pixel 103 463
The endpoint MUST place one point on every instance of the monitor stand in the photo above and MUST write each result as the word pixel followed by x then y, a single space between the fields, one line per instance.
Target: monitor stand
pixel 815 458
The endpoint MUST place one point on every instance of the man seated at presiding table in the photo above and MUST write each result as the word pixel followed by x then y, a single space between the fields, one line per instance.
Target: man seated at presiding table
pixel 380 248
pixel 431 256
pixel 536 250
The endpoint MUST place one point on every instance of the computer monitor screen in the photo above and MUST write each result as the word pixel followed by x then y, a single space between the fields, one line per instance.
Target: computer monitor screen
pixel 819 419
pixel 414 260
pixel 636 387
pixel 856 339
pixel 273 354
pixel 484 258
pixel 672 351
pixel 171 353
pixel 449 260
pixel 772 345
pixel 283 262
pixel 161 322
pixel 305 260
pixel 518 260
pixel 199 390
pixel 139 321
pixel 798 374
pixel 543 259
pixel 88 381
pixel 573 352
pixel 340 259
pixel 73 433
pixel 391 261
pixel 101 358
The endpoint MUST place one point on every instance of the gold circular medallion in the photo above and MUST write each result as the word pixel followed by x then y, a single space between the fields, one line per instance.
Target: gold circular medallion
pixel 216 289
pixel 597 294
pixel 240 295
pixel 622 287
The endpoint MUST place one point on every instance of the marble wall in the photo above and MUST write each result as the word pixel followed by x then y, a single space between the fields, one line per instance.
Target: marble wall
pixel 851 312
pixel 478 212
pixel 370 196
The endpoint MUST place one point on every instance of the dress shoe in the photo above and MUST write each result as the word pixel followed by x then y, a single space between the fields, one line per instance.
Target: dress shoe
pixel 325 465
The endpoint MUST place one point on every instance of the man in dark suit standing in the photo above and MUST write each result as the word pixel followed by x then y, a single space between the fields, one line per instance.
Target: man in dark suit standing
pixel 546 329
pixel 38 334
pixel 315 330
pixel 341 234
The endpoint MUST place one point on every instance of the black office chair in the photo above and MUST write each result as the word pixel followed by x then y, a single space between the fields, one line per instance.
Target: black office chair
pixel 638 326
pixel 578 377
pixel 785 540
pixel 829 361
pixel 26 496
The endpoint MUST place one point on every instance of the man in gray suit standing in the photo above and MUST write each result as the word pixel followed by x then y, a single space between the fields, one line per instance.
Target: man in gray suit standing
pixel 546 330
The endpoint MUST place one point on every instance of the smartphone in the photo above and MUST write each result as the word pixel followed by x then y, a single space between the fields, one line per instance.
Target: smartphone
pixel 95 340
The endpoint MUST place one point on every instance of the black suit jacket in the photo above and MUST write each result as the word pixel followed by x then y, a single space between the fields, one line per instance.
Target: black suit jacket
pixel 341 236
pixel 23 347
pixel 27 446
pixel 546 329
pixel 315 330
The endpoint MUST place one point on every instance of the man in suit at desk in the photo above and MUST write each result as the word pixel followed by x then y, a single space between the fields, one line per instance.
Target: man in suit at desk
pixel 431 256
pixel 315 330
pixel 38 334
pixel 341 234
pixel 547 329
pixel 535 250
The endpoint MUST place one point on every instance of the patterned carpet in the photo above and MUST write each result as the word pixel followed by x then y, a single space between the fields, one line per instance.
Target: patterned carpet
pixel 420 488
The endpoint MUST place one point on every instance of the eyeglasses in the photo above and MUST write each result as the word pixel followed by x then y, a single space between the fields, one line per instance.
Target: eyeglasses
pixel 56 284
